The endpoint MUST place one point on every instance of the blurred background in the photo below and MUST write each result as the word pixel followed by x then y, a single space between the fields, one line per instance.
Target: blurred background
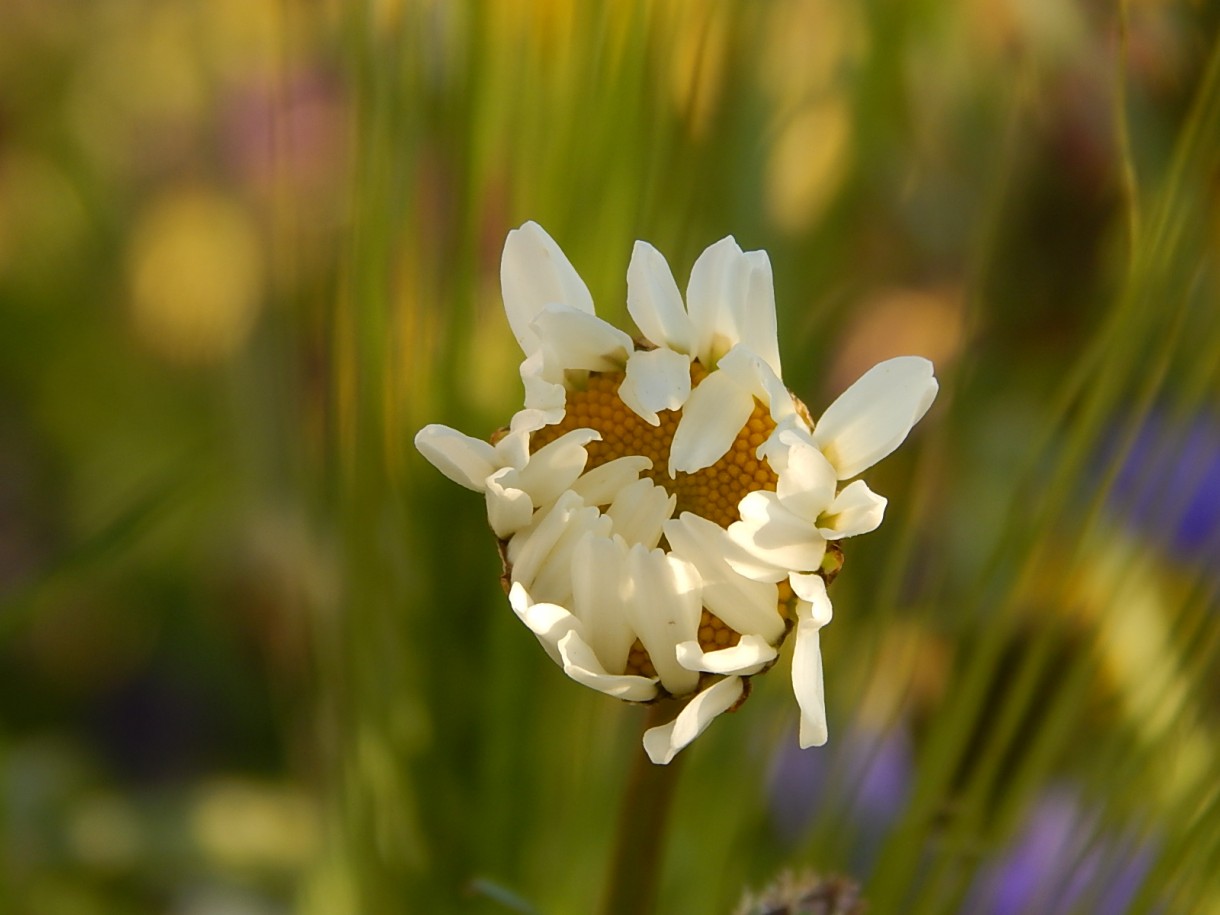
pixel 254 655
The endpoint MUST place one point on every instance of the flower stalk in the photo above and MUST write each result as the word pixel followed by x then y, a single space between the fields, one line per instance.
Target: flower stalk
pixel 639 845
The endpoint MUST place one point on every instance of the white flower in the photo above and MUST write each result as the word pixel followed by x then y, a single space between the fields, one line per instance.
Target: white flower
pixel 663 507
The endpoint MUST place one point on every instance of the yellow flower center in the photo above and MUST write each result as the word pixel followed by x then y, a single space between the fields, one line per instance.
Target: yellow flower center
pixel 712 493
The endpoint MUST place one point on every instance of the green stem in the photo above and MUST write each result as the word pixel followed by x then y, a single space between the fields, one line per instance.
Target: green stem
pixel 636 867
pixel 1122 128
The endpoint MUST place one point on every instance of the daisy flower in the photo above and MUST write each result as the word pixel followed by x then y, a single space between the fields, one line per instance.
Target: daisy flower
pixel 666 510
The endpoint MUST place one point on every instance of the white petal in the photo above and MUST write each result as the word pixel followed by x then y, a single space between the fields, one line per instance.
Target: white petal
pixel 555 466
pixel 530 547
pixel 513 448
pixel 600 485
pixel 810 587
pixel 663 743
pixel 872 417
pixel 715 299
pixel 639 510
pixel 714 414
pixel 535 273
pixel 748 656
pixel 664 607
pixel 599 589
pixel 509 508
pixel 549 622
pixel 754 374
pixel 772 534
pixel 653 300
pixel 527 421
pixel 582 665
pixel 807 668
pixel 656 380
pixel 544 394
pixel 787 435
pixel 745 605
pixel 553 580
pixel 465 460
pixel 855 510
pixel 574 339
pixel 807 486
pixel 755 569
pixel 757 319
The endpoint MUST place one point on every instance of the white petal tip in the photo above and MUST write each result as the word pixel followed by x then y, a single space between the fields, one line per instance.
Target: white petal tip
pixel 816 740
pixel 663 743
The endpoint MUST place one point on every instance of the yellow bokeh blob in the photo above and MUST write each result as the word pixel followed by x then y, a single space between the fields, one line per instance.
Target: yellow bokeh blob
pixel 195 270
pixel 808 163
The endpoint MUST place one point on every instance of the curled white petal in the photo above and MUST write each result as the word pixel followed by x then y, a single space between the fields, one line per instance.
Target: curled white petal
pixel 752 372
pixel 807 486
pixel 711 419
pixel 555 466
pixel 549 622
pixel 663 607
pixel 544 390
pixel 534 273
pixel 574 339
pixel 788 434
pixel 855 510
pixel 656 380
pixel 599 586
pixel 663 743
pixel 776 537
pixel 810 587
pixel 757 319
pixel 731 300
pixel 509 506
pixel 811 615
pixel 715 299
pixel 553 580
pixel 600 485
pixel 873 416
pixel 745 605
pixel 513 448
pixel 654 302
pixel 748 656
pixel 527 421
pixel 529 549
pixel 582 665
pixel 465 460
pixel 638 511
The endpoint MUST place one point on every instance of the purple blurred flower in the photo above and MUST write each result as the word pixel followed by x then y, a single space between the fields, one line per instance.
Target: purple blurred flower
pixel 864 778
pixel 1168 486
pixel 1060 861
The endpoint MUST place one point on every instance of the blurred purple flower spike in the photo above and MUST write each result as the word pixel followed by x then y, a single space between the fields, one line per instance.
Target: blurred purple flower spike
pixel 1057 864
pixel 1168 487
pixel 865 778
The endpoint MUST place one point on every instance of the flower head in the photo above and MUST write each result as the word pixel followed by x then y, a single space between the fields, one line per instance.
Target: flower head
pixel 665 507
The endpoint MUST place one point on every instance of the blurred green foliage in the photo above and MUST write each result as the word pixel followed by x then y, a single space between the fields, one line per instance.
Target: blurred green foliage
pixel 255 653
